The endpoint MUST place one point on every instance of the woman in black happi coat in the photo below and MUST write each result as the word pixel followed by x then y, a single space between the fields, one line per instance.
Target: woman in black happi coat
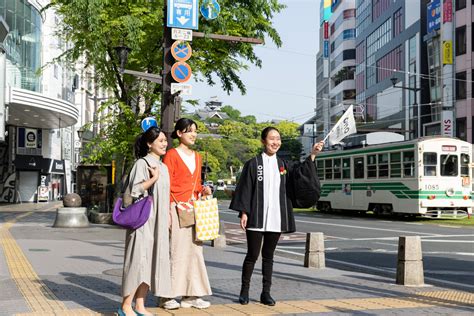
pixel 267 191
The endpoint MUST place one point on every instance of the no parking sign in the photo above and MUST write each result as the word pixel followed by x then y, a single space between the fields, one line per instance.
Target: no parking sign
pixel 181 71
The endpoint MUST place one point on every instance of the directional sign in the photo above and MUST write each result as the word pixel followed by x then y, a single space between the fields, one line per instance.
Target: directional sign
pixel 184 88
pixel 148 122
pixel 181 34
pixel 210 9
pixel 181 71
pixel 183 14
pixel 181 50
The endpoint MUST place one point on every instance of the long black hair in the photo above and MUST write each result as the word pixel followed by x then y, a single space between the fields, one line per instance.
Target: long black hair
pixel 182 125
pixel 267 130
pixel 145 138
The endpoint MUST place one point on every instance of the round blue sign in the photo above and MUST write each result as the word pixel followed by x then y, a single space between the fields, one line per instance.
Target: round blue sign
pixel 210 9
pixel 148 122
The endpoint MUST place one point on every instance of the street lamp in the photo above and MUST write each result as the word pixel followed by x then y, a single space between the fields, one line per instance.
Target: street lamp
pixel 415 104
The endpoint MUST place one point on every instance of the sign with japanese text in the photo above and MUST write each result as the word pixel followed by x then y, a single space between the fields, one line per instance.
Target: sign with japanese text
pixel 183 14
pixel 447 52
pixel 326 30
pixel 326 49
pixel 447 11
pixel 181 34
pixel 433 16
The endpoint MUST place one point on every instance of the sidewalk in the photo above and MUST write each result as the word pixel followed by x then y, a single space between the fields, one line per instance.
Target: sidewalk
pixel 60 271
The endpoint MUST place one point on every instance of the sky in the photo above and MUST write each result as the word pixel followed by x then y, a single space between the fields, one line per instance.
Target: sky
pixel 285 86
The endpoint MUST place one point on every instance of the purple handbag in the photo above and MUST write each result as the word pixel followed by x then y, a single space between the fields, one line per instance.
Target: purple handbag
pixel 133 216
pixel 136 214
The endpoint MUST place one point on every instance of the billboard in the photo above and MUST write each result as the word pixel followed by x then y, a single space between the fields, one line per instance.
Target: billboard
pixel 433 16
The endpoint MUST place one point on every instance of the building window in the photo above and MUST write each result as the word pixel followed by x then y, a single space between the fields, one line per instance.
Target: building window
pixel 461 40
pixel 461 85
pixel 386 64
pixel 379 7
pixel 461 128
pixel 460 4
pixel 398 22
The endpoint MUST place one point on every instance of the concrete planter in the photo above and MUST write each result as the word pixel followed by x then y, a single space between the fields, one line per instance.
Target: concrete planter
pixel 97 217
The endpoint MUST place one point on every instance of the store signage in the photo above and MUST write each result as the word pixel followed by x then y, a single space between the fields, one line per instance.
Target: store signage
pixel 447 11
pixel 447 52
pixel 31 138
pixel 326 49
pixel 326 30
pixel 447 124
pixel 433 15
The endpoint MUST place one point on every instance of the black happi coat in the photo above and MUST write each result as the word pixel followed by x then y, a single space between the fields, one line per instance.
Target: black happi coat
pixel 299 187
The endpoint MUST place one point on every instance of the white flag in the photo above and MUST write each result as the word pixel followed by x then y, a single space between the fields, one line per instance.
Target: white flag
pixel 344 127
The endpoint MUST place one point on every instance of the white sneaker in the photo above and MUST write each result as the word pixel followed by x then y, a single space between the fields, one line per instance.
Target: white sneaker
pixel 195 302
pixel 168 303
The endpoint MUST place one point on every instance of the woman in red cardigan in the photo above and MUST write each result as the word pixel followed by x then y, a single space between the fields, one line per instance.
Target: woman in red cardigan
pixel 188 271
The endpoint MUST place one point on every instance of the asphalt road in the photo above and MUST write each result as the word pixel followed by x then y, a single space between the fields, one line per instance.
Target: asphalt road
pixel 370 245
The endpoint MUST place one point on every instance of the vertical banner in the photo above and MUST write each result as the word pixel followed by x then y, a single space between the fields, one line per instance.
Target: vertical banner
pixel 326 30
pixel 447 11
pixel 447 52
pixel 447 124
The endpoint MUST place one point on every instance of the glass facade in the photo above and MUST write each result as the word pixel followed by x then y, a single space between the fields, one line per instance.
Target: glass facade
pixel 23 44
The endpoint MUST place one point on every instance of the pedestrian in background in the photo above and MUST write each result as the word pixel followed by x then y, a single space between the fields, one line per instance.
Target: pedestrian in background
pixel 188 271
pixel 267 190
pixel 147 263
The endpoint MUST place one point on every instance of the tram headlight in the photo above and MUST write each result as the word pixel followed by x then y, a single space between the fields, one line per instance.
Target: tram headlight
pixel 450 192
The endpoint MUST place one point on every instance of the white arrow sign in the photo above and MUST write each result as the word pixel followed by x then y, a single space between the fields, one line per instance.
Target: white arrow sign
pixel 182 20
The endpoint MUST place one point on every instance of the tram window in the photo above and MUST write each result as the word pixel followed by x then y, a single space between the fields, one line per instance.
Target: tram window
pixel 449 165
pixel 359 168
pixel 408 164
pixel 320 169
pixel 371 166
pixel 328 169
pixel 395 165
pixel 383 165
pixel 430 161
pixel 337 168
pixel 346 168
pixel 464 165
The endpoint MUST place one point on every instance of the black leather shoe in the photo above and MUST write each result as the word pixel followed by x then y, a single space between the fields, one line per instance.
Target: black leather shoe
pixel 266 299
pixel 244 299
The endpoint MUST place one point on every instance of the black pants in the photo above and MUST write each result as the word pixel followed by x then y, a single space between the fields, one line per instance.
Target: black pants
pixel 254 244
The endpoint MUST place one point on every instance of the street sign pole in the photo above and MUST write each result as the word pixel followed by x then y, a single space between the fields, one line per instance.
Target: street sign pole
pixel 167 106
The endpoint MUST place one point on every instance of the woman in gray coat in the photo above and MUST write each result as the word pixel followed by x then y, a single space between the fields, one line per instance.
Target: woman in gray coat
pixel 147 262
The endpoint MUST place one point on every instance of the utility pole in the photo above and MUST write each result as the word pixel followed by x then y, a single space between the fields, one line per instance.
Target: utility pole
pixel 167 104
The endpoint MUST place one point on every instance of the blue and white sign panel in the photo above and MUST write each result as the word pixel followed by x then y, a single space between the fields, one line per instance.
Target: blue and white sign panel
pixel 433 16
pixel 148 122
pixel 183 14
pixel 210 9
pixel 326 49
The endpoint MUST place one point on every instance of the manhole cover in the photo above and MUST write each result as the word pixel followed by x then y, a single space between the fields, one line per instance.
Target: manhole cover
pixel 38 249
pixel 113 272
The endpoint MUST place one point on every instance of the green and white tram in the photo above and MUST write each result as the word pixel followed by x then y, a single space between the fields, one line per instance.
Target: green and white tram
pixel 429 176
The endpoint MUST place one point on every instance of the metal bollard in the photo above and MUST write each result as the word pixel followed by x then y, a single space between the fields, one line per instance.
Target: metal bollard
pixel 314 254
pixel 410 261
pixel 220 242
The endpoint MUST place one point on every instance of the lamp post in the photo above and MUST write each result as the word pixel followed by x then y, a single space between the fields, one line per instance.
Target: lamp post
pixel 415 104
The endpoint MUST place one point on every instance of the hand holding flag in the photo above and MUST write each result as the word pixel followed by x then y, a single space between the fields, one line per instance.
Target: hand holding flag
pixel 344 127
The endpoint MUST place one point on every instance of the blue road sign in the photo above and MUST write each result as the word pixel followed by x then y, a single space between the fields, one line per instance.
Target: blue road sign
pixel 181 50
pixel 183 14
pixel 181 71
pixel 148 122
pixel 210 9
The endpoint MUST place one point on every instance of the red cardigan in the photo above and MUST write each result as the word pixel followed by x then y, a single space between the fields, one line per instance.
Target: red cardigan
pixel 182 181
